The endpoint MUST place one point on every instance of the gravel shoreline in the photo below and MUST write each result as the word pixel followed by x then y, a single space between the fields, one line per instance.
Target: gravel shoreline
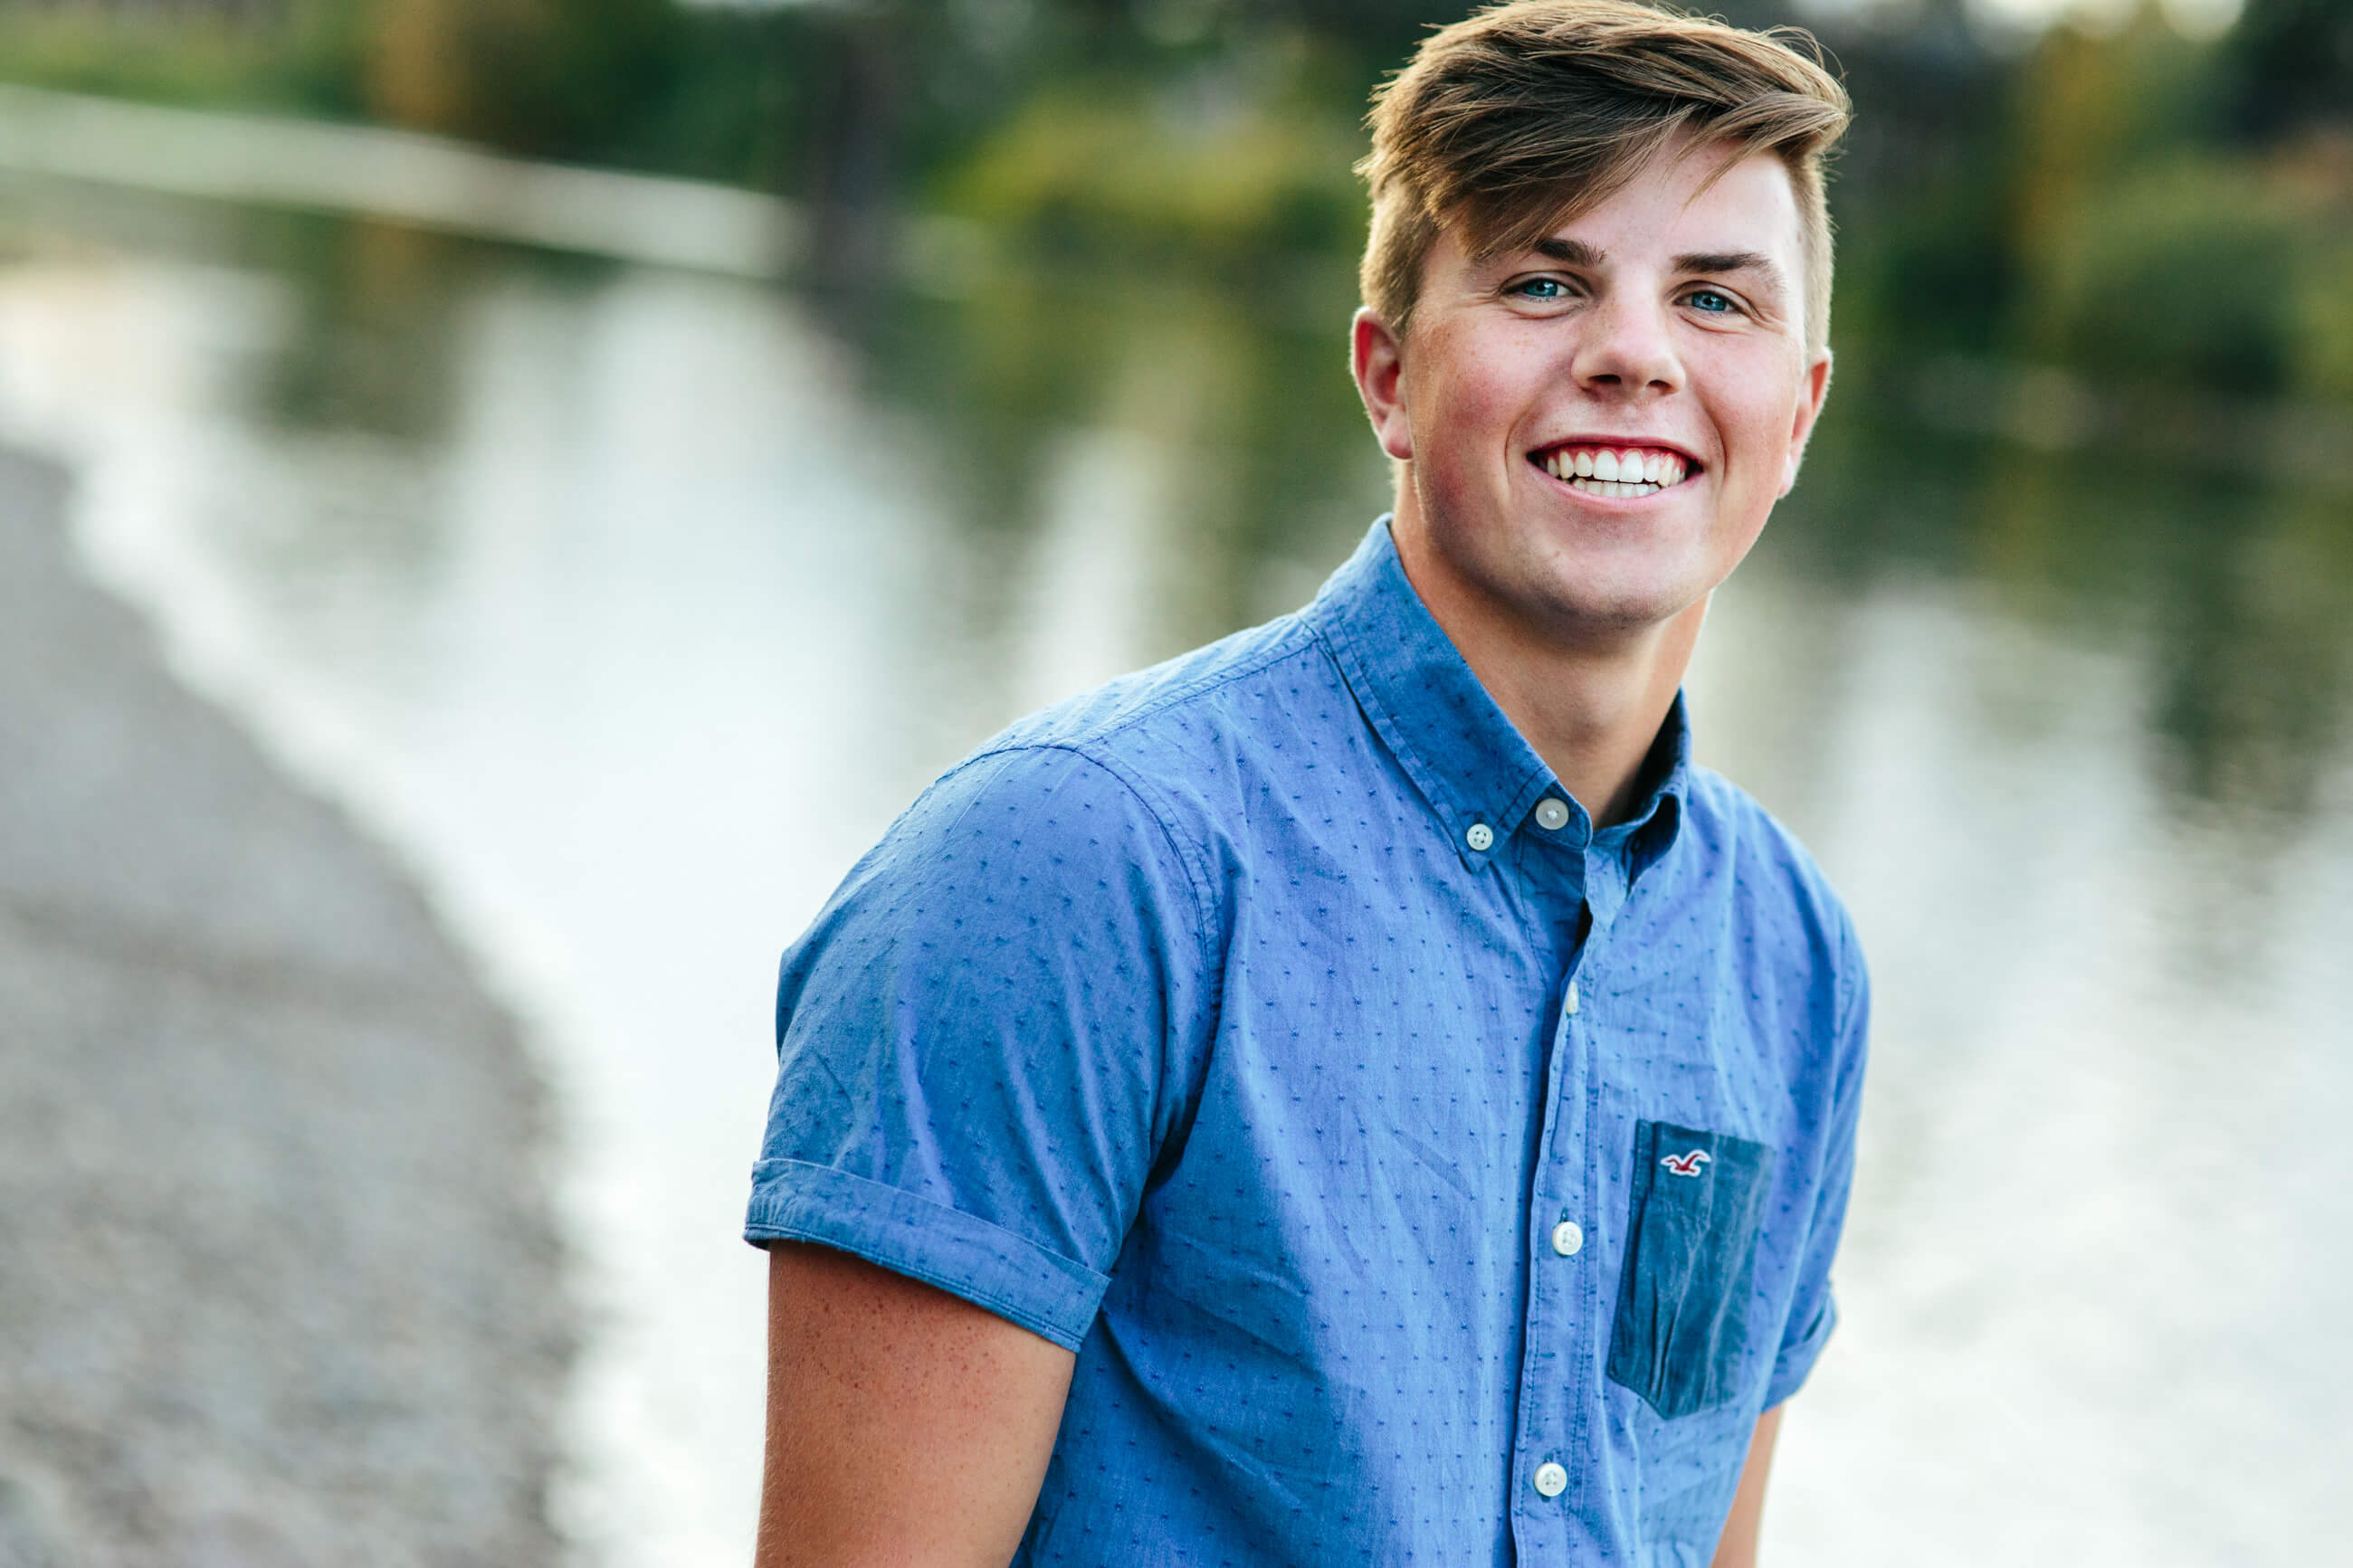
pixel 278 1282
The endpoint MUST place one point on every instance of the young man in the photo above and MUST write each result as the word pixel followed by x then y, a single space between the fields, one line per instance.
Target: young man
pixel 1357 1094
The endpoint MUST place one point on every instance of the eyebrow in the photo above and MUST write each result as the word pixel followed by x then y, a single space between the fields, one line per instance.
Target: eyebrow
pixel 1734 261
pixel 1569 252
pixel 1729 261
pixel 1577 253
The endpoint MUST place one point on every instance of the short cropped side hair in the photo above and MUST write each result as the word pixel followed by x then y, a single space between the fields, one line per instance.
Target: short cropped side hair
pixel 1506 125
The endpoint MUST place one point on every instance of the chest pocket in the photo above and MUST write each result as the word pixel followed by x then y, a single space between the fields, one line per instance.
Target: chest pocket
pixel 1682 1301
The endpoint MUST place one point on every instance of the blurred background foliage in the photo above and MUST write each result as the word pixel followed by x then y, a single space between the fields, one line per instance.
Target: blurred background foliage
pixel 2153 209
pixel 2095 324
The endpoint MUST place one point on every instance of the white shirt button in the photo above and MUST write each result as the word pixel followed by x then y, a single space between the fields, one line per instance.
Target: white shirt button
pixel 1481 837
pixel 1551 815
pixel 1567 1238
pixel 1551 1480
pixel 1568 1003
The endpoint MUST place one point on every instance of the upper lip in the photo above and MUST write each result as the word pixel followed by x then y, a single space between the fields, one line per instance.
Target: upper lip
pixel 1619 444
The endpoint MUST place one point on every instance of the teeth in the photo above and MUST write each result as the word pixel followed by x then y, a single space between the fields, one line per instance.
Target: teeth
pixel 1611 471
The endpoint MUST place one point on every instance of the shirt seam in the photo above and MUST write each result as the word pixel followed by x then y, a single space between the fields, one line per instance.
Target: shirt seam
pixel 1196 881
pixel 1302 637
pixel 1193 857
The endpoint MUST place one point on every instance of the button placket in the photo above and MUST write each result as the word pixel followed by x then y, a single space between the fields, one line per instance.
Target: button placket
pixel 1605 888
pixel 1557 1301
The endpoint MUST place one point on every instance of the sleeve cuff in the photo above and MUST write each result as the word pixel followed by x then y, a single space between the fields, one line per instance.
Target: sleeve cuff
pixel 1043 1291
pixel 1797 1360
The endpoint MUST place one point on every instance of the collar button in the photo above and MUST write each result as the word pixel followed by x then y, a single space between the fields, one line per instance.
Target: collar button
pixel 1481 837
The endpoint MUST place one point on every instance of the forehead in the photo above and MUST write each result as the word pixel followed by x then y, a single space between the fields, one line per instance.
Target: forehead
pixel 1693 199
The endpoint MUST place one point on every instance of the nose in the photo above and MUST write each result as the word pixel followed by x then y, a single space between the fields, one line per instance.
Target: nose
pixel 1627 351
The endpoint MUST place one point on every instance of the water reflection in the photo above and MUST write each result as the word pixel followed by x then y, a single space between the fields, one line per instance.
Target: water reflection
pixel 2242 594
pixel 634 604
pixel 1234 402
pixel 374 350
pixel 2253 698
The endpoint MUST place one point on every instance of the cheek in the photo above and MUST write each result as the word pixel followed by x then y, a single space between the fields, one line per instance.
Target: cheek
pixel 1453 438
pixel 1754 419
pixel 1477 384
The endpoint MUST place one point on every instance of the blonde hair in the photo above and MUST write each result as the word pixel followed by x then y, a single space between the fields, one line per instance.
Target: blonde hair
pixel 1507 124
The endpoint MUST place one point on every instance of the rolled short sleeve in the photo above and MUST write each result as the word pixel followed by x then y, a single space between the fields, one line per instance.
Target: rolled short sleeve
pixel 983 1040
pixel 1814 1311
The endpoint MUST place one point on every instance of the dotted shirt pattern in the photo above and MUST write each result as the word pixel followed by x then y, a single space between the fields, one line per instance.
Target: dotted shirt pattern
pixel 1183 1025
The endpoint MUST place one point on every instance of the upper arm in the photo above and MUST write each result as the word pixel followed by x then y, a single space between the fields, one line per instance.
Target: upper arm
pixel 905 1426
pixel 982 1045
pixel 987 1038
pixel 1737 1548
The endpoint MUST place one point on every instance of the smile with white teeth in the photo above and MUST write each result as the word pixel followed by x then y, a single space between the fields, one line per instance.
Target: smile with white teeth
pixel 1619 472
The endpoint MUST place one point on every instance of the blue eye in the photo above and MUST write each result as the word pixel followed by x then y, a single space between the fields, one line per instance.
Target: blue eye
pixel 1710 301
pixel 1540 288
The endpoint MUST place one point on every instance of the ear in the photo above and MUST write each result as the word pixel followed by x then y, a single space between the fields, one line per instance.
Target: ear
pixel 1377 358
pixel 1811 391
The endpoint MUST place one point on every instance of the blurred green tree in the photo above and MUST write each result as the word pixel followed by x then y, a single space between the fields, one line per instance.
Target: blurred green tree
pixel 548 77
pixel 2288 63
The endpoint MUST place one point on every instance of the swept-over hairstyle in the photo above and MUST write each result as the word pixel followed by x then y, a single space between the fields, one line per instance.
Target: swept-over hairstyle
pixel 1508 124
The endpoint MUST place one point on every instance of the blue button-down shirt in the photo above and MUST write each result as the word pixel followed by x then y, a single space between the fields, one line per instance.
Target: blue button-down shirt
pixel 1420 1174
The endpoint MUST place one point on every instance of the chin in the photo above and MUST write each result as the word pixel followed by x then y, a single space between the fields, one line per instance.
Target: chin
pixel 1604 595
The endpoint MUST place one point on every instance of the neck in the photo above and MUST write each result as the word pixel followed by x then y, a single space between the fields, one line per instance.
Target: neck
pixel 1591 705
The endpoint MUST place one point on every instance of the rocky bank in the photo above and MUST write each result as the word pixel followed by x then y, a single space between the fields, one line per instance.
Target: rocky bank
pixel 278 1279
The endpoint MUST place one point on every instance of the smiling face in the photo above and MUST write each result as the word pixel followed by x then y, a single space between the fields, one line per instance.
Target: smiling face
pixel 1594 429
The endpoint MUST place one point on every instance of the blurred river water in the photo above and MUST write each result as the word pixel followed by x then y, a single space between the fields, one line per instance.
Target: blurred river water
pixel 629 606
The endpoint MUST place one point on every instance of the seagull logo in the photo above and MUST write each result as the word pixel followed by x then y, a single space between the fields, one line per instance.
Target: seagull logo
pixel 1687 1164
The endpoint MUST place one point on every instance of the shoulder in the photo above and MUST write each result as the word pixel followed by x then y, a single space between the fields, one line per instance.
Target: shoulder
pixel 1189 741
pixel 1111 794
pixel 1160 720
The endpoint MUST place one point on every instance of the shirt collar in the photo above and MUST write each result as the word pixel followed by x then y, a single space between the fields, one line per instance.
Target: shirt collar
pixel 1468 759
